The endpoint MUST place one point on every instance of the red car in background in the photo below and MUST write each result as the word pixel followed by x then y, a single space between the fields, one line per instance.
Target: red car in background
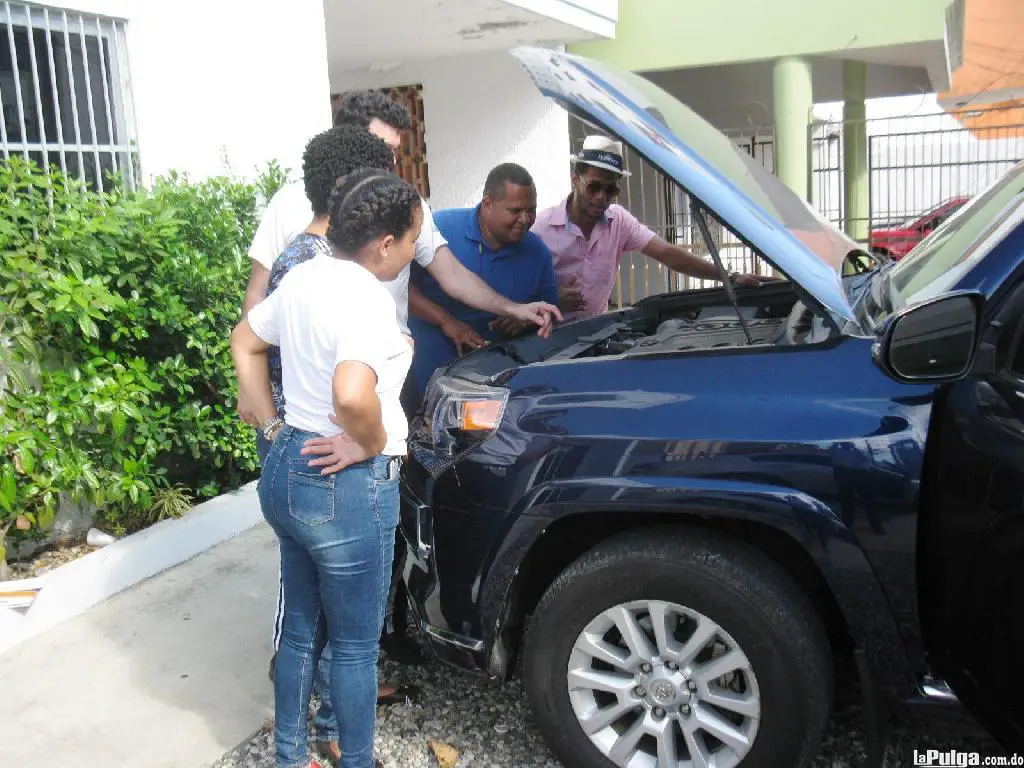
pixel 896 242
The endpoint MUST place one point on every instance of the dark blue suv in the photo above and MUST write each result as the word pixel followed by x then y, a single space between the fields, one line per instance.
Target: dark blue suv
pixel 681 517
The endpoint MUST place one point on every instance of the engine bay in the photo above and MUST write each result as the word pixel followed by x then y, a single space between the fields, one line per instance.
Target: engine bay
pixel 707 330
pixel 715 326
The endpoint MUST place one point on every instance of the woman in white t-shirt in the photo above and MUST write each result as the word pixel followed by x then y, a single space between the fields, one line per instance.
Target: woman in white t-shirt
pixel 343 363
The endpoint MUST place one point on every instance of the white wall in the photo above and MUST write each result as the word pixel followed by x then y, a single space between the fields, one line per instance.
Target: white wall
pixel 240 78
pixel 480 110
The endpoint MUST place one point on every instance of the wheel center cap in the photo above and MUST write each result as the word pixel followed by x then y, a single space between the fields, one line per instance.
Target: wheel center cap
pixel 663 691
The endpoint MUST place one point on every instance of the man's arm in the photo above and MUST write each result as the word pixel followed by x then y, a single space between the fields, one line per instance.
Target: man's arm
pixel 430 312
pixel 256 290
pixel 679 259
pixel 272 234
pixel 461 284
pixel 547 290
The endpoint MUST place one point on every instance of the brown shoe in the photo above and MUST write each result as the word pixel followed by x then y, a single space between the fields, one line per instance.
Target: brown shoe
pixel 329 751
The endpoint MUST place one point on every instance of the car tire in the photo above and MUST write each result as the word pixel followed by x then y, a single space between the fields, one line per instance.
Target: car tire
pixel 750 598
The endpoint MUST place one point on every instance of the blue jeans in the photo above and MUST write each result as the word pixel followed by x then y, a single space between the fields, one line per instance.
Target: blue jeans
pixel 337 535
pixel 325 722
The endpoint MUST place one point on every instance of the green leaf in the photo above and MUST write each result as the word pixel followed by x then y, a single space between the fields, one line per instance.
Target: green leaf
pixel 28 461
pixel 119 423
pixel 88 326
pixel 8 490
pixel 90 478
pixel 46 517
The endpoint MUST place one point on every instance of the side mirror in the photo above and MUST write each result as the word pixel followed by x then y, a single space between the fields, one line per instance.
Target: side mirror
pixel 932 342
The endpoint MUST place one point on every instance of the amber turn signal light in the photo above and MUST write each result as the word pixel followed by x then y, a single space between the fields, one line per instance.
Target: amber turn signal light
pixel 480 415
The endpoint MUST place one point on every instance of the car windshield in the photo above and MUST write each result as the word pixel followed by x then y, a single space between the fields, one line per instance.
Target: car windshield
pixel 942 258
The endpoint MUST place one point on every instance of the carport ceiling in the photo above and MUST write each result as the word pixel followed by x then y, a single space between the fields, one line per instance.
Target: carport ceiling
pixel 379 35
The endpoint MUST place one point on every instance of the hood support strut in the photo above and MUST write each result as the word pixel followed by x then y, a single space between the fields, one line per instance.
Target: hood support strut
pixel 698 214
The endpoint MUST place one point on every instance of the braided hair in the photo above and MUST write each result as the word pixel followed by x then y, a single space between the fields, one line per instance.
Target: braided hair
pixel 367 204
pixel 337 152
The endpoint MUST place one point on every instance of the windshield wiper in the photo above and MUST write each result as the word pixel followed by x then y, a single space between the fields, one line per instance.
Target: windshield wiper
pixel 698 214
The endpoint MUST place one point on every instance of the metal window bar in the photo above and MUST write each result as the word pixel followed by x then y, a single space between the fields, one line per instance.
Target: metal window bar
pixel 3 127
pixel 17 76
pixel 106 95
pixel 38 100
pixel 65 88
pixel 53 86
pixel 88 101
pixel 74 95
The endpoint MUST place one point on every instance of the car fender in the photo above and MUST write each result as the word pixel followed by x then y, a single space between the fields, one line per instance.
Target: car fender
pixel 808 521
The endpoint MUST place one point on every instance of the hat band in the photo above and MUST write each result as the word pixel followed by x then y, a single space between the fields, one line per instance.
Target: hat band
pixel 599 156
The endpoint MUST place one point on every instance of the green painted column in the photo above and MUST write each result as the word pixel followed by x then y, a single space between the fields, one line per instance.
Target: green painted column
pixel 793 99
pixel 856 192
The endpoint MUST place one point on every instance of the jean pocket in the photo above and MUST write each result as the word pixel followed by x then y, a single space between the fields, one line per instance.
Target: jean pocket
pixel 386 492
pixel 386 469
pixel 310 497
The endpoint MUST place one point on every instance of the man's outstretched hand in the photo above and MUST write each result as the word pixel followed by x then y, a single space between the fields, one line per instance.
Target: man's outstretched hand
pixel 749 281
pixel 509 328
pixel 538 313
pixel 462 335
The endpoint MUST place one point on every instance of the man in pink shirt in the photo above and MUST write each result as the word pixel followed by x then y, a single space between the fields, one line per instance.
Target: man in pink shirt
pixel 587 234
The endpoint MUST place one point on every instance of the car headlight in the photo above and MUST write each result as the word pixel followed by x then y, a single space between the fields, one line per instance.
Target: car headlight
pixel 459 415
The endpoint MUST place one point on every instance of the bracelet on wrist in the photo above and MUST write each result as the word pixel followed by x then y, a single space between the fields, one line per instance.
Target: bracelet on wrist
pixel 271 426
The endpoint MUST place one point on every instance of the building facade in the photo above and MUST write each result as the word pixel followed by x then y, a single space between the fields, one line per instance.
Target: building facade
pixel 226 86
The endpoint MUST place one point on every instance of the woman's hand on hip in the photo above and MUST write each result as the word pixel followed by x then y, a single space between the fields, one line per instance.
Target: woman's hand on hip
pixel 335 453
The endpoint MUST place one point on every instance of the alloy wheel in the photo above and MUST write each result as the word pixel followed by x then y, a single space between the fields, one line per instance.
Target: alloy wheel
pixel 654 684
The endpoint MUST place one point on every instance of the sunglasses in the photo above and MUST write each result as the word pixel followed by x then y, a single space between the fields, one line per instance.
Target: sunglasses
pixel 611 189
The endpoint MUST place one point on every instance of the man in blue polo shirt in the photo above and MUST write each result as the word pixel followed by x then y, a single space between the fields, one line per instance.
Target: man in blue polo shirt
pixel 493 240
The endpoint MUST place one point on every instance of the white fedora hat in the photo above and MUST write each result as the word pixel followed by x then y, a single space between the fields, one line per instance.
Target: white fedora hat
pixel 602 152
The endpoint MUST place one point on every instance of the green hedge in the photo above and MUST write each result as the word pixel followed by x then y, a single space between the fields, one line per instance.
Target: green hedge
pixel 115 315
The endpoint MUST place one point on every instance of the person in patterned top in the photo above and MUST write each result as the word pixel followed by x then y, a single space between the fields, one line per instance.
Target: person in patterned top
pixel 328 156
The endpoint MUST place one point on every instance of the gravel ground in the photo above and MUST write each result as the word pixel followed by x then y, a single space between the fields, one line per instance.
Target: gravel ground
pixel 489 726
pixel 48 559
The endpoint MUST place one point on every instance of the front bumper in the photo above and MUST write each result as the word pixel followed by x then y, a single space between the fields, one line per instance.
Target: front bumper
pixel 420 573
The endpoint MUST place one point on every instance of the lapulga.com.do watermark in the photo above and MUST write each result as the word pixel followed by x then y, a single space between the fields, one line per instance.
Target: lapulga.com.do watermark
pixel 949 757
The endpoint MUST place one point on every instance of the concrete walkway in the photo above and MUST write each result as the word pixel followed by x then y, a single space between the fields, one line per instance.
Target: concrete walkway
pixel 171 672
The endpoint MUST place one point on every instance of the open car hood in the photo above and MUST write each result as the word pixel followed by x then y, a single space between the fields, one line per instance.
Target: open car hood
pixel 753 202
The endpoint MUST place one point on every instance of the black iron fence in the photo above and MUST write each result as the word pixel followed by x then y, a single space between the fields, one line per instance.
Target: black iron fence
pixel 920 169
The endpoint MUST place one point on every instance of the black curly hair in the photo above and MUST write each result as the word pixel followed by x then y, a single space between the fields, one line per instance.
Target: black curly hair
pixel 367 204
pixel 337 152
pixel 360 107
